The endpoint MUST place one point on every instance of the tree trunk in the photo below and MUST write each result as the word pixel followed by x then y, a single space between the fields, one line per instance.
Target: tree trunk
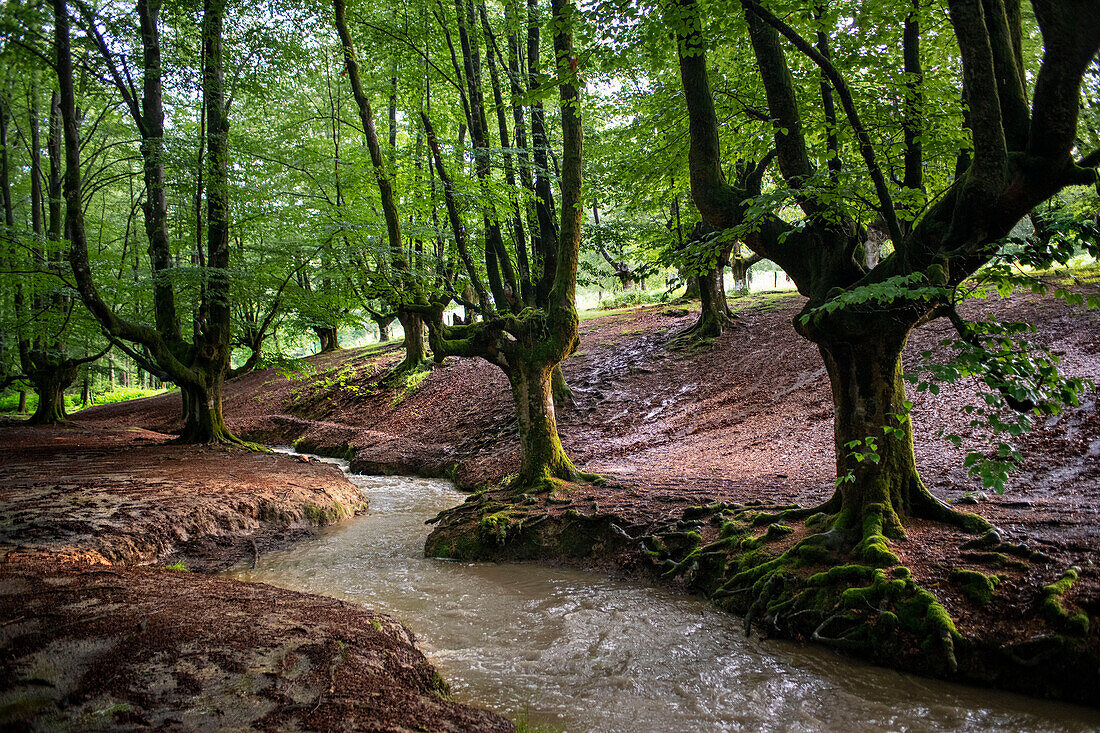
pixel 739 267
pixel 691 288
pixel 328 337
pixel 86 391
pixel 203 422
pixel 712 308
pixel 415 354
pixel 22 402
pixel 563 394
pixel 50 386
pixel 383 325
pixel 543 457
pixel 877 495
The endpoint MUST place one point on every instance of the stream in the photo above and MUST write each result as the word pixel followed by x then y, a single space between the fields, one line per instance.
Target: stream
pixel 576 651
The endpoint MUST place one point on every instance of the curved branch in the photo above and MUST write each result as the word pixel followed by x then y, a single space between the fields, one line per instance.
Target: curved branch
pixel 886 203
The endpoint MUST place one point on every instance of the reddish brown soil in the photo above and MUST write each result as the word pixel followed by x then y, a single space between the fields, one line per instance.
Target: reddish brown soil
pixel 750 419
pixel 133 648
pixel 125 495
pixel 87 641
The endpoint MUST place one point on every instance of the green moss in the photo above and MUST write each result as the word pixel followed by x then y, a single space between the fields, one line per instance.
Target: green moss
pixel 998 560
pixel 976 586
pixel 439 686
pixel 324 515
pixel 873 548
pixel 776 531
pixel 842 574
pixel 179 566
pixel 732 529
pixel 494 528
pixel 408 383
pixel 1053 608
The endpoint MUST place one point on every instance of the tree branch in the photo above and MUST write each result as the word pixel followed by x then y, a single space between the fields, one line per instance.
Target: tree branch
pixel 886 203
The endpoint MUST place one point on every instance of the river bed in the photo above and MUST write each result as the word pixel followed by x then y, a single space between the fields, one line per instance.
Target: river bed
pixel 580 652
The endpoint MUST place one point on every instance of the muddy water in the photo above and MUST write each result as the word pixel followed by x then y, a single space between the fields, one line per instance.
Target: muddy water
pixel 582 653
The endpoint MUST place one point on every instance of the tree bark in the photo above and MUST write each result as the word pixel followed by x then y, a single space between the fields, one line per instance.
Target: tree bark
pixel 328 337
pixel 50 385
pixel 712 306
pixel 543 457
pixel 203 420
pixel 415 355
pixel 863 358
pixel 382 322
pixel 739 269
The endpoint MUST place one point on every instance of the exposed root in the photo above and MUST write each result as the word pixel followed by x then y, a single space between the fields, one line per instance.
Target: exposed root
pixel 862 605
pixel 927 506
pixel 1054 610
pixel 702 334
pixel 220 438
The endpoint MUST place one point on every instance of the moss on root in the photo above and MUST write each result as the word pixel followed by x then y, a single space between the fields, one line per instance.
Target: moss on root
pixel 857 602
pixel 1053 607
pixel 978 587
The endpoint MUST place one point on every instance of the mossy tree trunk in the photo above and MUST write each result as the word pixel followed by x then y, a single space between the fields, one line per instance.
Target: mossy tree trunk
pixel 203 419
pixel 712 306
pixel 873 437
pixel 529 343
pixel 563 393
pixel 543 457
pixel 50 385
pixel 415 354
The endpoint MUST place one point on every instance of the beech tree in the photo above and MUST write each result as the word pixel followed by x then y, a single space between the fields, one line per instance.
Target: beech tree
pixel 527 333
pixel 859 317
pixel 198 366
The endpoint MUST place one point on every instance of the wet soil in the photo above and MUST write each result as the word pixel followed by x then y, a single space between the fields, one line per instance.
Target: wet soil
pixel 125 495
pixel 141 648
pixel 89 641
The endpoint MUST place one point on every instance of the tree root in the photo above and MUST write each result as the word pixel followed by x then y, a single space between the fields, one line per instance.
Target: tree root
pixel 225 438
pixel 702 334
pixel 860 606
pixel 404 369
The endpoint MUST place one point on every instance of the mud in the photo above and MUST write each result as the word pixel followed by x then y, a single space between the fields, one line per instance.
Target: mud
pixel 89 641
pixel 124 495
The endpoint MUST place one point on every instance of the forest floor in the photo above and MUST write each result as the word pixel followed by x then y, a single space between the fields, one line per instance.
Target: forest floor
pixel 748 420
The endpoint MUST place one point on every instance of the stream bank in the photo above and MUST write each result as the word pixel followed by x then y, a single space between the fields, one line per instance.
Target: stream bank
pixel 703 550
pixel 90 639
pixel 579 651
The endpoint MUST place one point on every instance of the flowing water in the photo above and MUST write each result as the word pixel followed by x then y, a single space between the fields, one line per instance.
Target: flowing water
pixel 579 652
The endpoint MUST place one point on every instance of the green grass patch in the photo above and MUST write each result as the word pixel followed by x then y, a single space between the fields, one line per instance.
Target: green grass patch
pixel 9 402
